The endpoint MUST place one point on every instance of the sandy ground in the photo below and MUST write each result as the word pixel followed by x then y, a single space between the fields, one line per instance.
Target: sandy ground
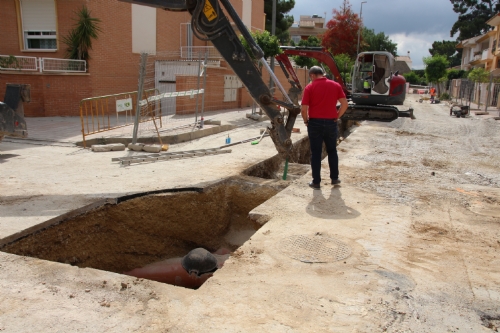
pixel 418 213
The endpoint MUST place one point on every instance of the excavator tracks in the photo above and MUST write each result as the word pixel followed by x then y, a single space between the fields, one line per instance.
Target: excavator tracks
pixel 384 113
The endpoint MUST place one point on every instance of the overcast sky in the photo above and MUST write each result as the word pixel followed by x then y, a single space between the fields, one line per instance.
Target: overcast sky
pixel 413 24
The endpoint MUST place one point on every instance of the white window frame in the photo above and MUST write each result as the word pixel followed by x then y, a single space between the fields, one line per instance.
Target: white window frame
pixel 32 31
pixel 43 35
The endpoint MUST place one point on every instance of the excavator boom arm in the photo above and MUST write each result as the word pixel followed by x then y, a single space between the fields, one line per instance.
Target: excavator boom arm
pixel 209 23
pixel 318 53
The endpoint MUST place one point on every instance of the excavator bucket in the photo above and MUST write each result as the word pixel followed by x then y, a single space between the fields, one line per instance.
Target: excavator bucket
pixel 12 122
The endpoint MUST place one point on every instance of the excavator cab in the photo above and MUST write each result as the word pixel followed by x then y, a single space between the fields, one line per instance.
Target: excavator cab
pixel 375 82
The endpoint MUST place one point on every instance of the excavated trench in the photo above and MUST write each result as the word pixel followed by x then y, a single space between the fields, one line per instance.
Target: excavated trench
pixel 142 229
pixel 121 234
pixel 299 165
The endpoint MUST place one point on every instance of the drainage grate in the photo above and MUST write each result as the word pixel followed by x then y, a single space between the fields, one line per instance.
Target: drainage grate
pixel 315 248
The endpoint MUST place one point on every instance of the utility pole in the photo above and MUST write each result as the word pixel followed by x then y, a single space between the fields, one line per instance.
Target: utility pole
pixel 273 33
pixel 361 24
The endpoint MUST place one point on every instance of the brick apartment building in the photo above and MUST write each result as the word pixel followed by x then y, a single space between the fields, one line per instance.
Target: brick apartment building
pixel 306 27
pixel 35 28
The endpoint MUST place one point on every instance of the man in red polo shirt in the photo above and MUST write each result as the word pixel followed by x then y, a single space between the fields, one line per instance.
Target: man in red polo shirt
pixel 320 114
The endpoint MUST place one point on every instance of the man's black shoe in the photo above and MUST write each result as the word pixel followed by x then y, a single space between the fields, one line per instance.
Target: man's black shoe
pixel 314 186
pixel 336 181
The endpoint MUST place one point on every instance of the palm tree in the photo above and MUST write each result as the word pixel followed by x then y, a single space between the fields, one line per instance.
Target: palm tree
pixel 79 40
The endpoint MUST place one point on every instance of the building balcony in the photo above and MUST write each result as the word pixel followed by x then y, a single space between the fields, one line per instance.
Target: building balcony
pixel 485 54
pixel 43 65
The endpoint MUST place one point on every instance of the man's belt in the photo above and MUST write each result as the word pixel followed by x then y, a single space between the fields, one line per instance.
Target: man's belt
pixel 325 119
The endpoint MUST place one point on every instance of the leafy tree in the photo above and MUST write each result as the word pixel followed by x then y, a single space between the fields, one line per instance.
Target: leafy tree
pixel 412 78
pixel 342 31
pixel 283 21
pixel 479 75
pixel 79 39
pixel 377 42
pixel 344 63
pixel 452 74
pixel 304 61
pixel 269 44
pixel 472 17
pixel 419 72
pixel 449 49
pixel 435 68
pixel 421 75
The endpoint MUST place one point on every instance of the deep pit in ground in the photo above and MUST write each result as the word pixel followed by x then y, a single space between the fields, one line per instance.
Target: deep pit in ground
pixel 138 231
pixel 299 164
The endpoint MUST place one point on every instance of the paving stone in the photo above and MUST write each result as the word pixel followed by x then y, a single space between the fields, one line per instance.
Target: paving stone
pixel 135 146
pixel 117 146
pixel 101 148
pixel 152 148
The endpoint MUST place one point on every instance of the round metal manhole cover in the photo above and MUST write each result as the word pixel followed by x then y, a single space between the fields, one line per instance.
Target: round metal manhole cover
pixel 315 248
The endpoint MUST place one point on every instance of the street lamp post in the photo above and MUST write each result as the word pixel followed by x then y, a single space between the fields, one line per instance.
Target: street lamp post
pixel 359 30
pixel 273 33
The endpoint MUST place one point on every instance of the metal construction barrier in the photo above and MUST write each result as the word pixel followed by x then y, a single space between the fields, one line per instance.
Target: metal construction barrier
pixel 97 114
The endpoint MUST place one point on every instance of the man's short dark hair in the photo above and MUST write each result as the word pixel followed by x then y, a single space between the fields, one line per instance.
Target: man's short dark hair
pixel 316 70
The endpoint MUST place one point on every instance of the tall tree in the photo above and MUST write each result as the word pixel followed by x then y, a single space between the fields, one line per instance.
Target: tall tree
pixel 449 49
pixel 377 42
pixel 269 44
pixel 283 21
pixel 435 68
pixel 79 40
pixel 472 17
pixel 342 31
pixel 344 64
pixel 412 78
pixel 304 61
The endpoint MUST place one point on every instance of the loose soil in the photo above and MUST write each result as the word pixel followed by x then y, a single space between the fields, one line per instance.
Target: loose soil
pixel 146 229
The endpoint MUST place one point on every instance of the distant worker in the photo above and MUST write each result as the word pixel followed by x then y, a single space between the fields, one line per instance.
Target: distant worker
pixel 433 94
pixel 367 83
pixel 190 271
pixel 320 114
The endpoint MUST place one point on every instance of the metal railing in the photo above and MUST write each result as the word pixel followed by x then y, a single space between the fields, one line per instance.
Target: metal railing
pixel 12 63
pixel 95 112
pixel 63 65
pixel 195 52
pixel 34 64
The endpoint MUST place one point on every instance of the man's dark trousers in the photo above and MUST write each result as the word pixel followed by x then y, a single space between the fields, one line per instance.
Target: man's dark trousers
pixel 319 131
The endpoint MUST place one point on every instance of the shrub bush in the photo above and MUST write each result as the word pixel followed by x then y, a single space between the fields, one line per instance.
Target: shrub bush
pixel 444 97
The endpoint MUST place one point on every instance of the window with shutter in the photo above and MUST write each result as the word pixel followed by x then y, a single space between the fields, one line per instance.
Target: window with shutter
pixel 39 24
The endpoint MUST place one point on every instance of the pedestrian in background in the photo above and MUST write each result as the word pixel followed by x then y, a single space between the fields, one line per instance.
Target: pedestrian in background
pixel 433 94
pixel 320 114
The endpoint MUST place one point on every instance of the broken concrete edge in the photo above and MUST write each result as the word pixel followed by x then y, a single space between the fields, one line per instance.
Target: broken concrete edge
pixel 259 219
pixel 169 139
pixel 87 208
pixel 55 221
